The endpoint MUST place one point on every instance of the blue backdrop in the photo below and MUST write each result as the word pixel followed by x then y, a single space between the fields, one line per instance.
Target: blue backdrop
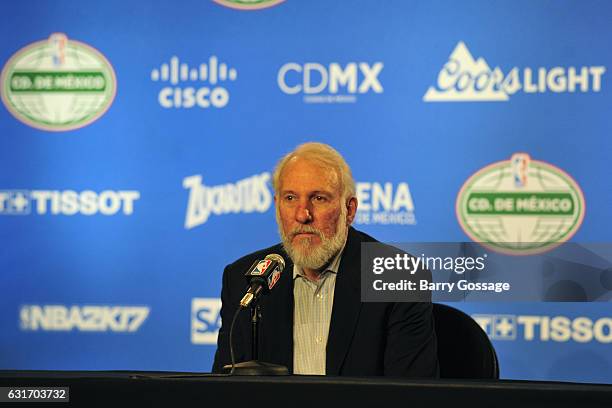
pixel 131 175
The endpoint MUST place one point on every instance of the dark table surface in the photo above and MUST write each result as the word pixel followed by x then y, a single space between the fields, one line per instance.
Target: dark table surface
pixel 170 389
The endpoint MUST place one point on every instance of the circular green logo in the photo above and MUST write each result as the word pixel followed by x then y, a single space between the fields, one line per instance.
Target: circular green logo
pixel 58 84
pixel 520 206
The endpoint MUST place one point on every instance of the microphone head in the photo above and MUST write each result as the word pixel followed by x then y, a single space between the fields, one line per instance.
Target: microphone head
pixel 275 275
pixel 277 258
pixel 262 276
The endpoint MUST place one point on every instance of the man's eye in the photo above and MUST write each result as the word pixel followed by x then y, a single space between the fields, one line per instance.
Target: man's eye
pixel 289 198
pixel 319 198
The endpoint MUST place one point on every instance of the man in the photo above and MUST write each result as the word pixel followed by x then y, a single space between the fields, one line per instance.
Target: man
pixel 313 320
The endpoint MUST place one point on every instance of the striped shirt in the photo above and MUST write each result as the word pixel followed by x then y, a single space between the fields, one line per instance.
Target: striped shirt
pixel 313 302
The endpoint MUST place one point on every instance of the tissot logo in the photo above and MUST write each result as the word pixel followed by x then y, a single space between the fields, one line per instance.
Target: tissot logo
pixel 465 79
pixel 546 328
pixel 67 202
pixel 331 83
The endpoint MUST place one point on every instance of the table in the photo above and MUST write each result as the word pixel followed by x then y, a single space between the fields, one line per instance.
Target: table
pixel 173 389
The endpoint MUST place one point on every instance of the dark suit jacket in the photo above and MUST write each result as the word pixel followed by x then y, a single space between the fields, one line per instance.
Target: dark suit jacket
pixel 365 339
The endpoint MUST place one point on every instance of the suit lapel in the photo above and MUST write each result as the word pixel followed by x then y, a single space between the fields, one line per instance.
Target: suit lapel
pixel 347 305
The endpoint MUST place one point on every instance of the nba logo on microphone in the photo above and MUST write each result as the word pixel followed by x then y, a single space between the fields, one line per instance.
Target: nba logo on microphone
pixel 205 320
pixel 261 268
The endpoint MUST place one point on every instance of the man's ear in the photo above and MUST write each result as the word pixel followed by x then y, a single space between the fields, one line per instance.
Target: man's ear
pixel 351 206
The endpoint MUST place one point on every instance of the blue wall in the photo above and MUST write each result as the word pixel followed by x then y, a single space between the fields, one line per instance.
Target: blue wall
pixel 127 276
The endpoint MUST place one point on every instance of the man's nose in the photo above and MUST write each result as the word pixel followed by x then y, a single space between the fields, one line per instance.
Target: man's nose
pixel 303 214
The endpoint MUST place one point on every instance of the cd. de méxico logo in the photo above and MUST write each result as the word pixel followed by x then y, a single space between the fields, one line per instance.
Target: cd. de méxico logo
pixel 58 84
pixel 520 206
pixel 464 79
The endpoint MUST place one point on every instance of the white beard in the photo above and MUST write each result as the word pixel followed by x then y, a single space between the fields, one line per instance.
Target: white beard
pixel 305 255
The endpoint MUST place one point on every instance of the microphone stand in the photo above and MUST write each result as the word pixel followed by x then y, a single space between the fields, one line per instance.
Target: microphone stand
pixel 255 318
pixel 256 367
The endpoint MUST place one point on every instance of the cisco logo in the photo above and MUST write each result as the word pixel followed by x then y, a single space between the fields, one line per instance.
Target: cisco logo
pixel 546 328
pixel 333 83
pixel 205 320
pixel 193 86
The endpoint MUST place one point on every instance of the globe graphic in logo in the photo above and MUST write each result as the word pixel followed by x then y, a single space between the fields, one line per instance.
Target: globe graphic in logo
pixel 520 206
pixel 58 84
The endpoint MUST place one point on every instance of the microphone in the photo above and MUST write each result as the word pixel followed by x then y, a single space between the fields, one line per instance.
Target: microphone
pixel 261 277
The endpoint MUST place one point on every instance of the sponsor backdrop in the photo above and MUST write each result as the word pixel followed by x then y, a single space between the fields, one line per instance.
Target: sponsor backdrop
pixel 137 143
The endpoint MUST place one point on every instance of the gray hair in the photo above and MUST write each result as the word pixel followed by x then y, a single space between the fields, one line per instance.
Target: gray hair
pixel 325 155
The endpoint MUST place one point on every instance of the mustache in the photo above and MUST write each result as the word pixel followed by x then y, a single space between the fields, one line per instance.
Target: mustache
pixel 305 229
